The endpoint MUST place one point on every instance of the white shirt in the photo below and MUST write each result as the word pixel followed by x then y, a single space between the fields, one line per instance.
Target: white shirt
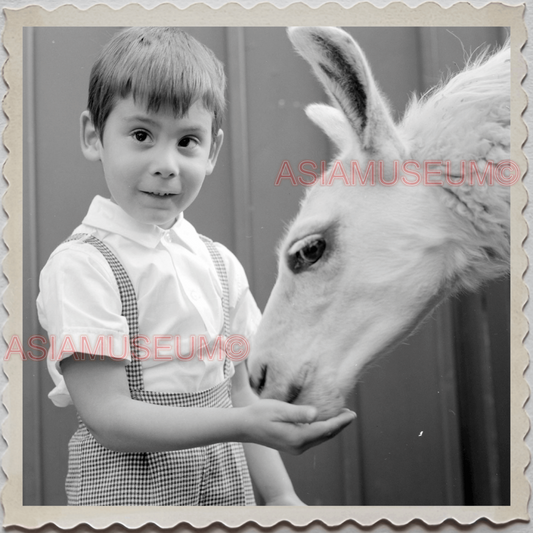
pixel 178 298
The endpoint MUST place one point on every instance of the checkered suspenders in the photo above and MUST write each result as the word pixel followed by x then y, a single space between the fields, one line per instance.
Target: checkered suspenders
pixel 129 299
pixel 223 277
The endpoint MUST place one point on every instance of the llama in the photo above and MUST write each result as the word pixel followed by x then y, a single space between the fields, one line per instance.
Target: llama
pixel 364 262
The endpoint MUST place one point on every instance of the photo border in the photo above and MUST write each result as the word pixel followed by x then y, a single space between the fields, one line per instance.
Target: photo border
pixel 396 14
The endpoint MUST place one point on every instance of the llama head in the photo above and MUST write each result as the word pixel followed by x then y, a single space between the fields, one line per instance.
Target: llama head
pixel 364 262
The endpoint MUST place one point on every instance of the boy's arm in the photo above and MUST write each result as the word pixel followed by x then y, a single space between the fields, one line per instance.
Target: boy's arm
pixel 99 390
pixel 265 464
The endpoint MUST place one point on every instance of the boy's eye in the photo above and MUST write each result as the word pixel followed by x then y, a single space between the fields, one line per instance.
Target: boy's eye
pixel 140 135
pixel 188 142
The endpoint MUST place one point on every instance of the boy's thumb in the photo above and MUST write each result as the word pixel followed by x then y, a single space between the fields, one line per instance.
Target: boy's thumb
pixel 301 414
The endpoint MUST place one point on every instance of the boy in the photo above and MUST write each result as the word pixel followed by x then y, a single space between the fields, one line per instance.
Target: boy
pixel 156 426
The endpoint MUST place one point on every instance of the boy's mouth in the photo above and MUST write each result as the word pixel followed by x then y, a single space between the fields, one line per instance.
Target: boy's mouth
pixel 159 194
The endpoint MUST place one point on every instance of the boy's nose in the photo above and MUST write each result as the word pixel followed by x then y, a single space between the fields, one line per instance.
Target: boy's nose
pixel 166 164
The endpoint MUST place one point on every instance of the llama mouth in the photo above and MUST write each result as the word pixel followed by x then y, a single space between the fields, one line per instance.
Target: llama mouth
pixel 294 393
pixel 296 389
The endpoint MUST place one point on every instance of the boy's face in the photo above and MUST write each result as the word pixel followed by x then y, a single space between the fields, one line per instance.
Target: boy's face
pixel 154 163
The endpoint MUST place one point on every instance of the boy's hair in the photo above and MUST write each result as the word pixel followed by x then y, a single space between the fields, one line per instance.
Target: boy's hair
pixel 159 67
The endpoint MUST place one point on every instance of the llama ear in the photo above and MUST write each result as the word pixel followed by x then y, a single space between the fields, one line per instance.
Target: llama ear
pixel 342 68
pixel 332 122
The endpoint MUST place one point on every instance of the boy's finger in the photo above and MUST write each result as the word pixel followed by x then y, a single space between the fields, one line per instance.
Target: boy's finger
pixel 345 415
pixel 342 420
pixel 326 429
pixel 314 433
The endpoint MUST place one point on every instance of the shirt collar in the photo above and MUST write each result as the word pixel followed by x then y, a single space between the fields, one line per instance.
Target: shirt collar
pixel 104 214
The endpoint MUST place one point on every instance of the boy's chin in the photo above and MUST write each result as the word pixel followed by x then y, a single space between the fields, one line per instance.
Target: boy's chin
pixel 163 223
pixel 160 222
pixel 158 218
pixel 168 225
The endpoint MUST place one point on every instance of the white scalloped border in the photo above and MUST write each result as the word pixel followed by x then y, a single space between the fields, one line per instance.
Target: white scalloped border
pixel 263 15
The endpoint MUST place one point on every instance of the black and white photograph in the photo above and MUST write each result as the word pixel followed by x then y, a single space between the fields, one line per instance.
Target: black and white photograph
pixel 269 266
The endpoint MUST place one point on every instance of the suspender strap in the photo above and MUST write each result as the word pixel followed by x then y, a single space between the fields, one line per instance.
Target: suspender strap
pixel 223 277
pixel 129 299
pixel 129 305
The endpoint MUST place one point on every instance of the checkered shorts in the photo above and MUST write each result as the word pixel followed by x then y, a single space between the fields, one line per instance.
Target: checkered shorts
pixel 207 475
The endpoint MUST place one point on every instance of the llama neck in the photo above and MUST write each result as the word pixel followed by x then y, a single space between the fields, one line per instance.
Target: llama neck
pixel 479 233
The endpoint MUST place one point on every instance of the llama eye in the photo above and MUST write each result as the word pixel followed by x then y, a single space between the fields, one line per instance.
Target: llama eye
pixel 305 253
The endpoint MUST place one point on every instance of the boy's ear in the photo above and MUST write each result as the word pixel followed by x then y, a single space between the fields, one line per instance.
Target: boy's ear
pixel 90 140
pixel 215 150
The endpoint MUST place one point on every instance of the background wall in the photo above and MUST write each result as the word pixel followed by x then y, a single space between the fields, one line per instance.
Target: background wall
pixel 433 417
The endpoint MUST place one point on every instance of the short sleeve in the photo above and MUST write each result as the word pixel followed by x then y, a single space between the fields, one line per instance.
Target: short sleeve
pixel 80 308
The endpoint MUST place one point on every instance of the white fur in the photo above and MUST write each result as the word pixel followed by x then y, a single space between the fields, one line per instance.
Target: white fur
pixel 392 253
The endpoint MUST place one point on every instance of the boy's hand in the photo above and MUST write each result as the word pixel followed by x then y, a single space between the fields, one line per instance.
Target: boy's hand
pixel 291 428
pixel 286 499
